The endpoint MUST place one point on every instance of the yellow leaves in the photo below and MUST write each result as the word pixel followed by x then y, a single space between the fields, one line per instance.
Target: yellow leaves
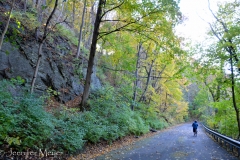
pixel 13 140
pixel 151 47
pixel 7 13
pixel 182 108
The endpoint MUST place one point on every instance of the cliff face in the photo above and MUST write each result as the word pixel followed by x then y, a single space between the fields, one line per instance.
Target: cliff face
pixel 57 70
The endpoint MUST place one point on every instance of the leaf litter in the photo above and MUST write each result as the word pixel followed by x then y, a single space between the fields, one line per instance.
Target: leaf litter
pixel 92 151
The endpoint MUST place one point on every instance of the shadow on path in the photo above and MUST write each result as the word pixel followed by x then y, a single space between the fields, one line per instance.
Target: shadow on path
pixel 176 143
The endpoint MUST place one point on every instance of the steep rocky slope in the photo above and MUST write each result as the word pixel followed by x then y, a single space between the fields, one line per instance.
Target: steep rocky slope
pixel 58 67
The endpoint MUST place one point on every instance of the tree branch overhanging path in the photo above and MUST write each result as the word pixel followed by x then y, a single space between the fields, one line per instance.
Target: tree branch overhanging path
pixel 123 25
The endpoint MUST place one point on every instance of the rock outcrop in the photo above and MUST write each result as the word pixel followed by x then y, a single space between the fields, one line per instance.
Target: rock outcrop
pixel 56 69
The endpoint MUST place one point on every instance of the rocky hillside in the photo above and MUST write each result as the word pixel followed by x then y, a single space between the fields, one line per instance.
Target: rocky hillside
pixel 58 69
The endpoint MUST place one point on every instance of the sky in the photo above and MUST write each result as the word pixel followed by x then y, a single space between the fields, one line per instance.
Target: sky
pixel 195 27
pixel 197 14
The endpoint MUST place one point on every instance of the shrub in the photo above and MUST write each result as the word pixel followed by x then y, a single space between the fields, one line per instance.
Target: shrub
pixel 23 117
pixel 68 135
pixel 28 19
pixel 25 123
pixel 113 117
pixel 157 123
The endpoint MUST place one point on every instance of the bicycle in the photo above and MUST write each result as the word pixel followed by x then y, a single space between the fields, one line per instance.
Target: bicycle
pixel 195 133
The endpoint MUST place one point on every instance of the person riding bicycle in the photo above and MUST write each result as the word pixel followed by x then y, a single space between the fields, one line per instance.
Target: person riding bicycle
pixel 195 126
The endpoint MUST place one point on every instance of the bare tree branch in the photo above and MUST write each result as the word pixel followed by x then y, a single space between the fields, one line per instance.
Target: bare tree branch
pixel 101 34
pixel 223 24
pixel 64 21
pixel 229 49
pixel 214 32
pixel 111 9
pixel 113 20
pixel 118 70
pixel 157 77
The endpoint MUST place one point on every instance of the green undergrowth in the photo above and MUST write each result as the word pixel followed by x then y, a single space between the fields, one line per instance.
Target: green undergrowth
pixel 63 31
pixel 26 124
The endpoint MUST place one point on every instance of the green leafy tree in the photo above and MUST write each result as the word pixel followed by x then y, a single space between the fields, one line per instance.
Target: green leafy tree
pixel 225 29
pixel 130 16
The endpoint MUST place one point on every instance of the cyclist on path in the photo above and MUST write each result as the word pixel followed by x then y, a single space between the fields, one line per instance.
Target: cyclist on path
pixel 195 126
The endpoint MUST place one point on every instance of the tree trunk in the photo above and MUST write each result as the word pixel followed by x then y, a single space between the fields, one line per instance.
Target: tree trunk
pixel 231 50
pixel 148 81
pixel 92 55
pixel 136 76
pixel 40 46
pixel 233 54
pixel 33 3
pixel 6 27
pixel 39 17
pixel 233 94
pixel 61 13
pixel 159 75
pixel 73 12
pixel 25 6
pixel 80 32
pixel 92 18
pixel 37 66
pixel 165 104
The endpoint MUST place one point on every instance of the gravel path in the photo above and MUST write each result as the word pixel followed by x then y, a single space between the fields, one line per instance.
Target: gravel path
pixel 176 143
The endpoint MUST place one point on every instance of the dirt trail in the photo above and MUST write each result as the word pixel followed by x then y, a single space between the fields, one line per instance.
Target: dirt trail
pixel 176 143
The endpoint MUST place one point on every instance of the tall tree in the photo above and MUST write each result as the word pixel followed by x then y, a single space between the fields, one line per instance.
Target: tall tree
pixel 40 5
pixel 6 27
pixel 92 16
pixel 73 11
pixel 224 30
pixel 25 6
pixel 41 42
pixel 136 75
pixel 149 73
pixel 81 30
pixel 92 53
pixel 128 16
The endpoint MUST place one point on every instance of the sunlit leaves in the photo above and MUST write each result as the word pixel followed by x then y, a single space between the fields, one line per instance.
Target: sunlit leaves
pixel 151 24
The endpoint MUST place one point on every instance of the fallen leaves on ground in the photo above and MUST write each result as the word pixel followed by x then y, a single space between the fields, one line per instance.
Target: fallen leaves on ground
pixel 94 150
